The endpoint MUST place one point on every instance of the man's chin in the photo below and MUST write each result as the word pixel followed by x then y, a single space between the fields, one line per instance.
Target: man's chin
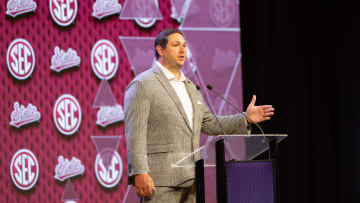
pixel 180 65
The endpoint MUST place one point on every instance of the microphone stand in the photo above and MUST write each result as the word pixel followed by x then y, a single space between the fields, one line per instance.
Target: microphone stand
pixel 227 101
pixel 211 110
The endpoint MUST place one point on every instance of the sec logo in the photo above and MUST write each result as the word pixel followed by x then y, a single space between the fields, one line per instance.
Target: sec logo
pixel 108 177
pixel 63 12
pixel 145 10
pixel 222 12
pixel 104 59
pixel 20 58
pixel 67 114
pixel 145 22
pixel 24 169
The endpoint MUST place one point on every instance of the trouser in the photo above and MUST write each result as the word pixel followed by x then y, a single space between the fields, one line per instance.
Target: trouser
pixel 172 195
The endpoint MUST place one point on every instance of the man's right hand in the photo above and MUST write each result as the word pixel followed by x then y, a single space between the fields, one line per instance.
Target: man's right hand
pixel 144 185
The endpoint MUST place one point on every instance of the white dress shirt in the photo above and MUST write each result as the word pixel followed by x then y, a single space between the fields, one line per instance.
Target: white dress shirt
pixel 180 89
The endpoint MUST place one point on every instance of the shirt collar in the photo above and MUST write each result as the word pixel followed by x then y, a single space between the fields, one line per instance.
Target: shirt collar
pixel 169 75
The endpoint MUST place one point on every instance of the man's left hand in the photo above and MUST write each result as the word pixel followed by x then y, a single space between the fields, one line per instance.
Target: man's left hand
pixel 258 114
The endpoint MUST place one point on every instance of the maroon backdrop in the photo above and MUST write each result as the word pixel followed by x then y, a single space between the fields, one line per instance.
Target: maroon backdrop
pixel 45 86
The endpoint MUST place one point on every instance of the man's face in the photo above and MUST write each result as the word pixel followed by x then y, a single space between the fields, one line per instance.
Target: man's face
pixel 174 53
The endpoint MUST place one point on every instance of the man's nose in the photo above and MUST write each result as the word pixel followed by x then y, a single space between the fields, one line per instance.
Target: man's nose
pixel 182 49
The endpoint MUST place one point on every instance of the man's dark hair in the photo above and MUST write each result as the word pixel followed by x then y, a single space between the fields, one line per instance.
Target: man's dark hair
pixel 162 39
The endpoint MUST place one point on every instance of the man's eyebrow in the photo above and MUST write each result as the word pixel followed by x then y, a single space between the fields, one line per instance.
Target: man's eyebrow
pixel 184 42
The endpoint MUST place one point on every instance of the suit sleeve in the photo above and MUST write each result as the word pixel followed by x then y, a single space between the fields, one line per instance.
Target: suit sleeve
pixel 232 124
pixel 137 107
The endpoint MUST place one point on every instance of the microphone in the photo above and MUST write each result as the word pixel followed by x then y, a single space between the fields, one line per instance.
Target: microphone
pixel 211 110
pixel 227 101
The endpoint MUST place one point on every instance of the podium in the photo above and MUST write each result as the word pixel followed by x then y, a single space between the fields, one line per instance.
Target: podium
pixel 239 178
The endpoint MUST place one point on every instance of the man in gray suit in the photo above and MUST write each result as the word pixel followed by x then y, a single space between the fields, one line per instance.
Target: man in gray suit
pixel 164 115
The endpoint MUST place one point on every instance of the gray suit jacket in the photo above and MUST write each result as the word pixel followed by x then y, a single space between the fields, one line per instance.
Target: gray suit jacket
pixel 158 132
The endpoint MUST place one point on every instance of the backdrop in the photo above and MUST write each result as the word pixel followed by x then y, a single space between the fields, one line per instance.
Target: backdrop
pixel 212 26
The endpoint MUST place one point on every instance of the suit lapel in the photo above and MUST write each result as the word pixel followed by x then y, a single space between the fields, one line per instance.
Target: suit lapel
pixel 166 84
pixel 195 104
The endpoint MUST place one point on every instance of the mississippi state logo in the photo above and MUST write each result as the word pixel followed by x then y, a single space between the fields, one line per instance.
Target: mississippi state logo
pixel 108 177
pixel 63 12
pixel 109 114
pixel 18 7
pixel 24 169
pixel 21 115
pixel 66 169
pixel 104 59
pixel 20 58
pixel 67 114
pixel 103 8
pixel 222 12
pixel 62 60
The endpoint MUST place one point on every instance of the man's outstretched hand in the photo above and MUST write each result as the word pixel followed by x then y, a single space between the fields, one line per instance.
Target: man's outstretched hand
pixel 258 114
pixel 144 185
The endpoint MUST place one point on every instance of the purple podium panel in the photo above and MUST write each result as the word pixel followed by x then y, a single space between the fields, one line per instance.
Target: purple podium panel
pixel 250 182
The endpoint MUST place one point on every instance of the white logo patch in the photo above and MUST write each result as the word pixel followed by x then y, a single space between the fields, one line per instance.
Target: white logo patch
pixel 20 58
pixel 63 12
pixel 104 59
pixel 111 176
pixel 103 8
pixel 142 9
pixel 21 115
pixel 18 7
pixel 145 22
pixel 24 169
pixel 62 60
pixel 66 169
pixel 109 114
pixel 222 12
pixel 67 114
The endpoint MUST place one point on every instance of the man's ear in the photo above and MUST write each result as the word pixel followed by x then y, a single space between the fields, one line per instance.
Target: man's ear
pixel 159 50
